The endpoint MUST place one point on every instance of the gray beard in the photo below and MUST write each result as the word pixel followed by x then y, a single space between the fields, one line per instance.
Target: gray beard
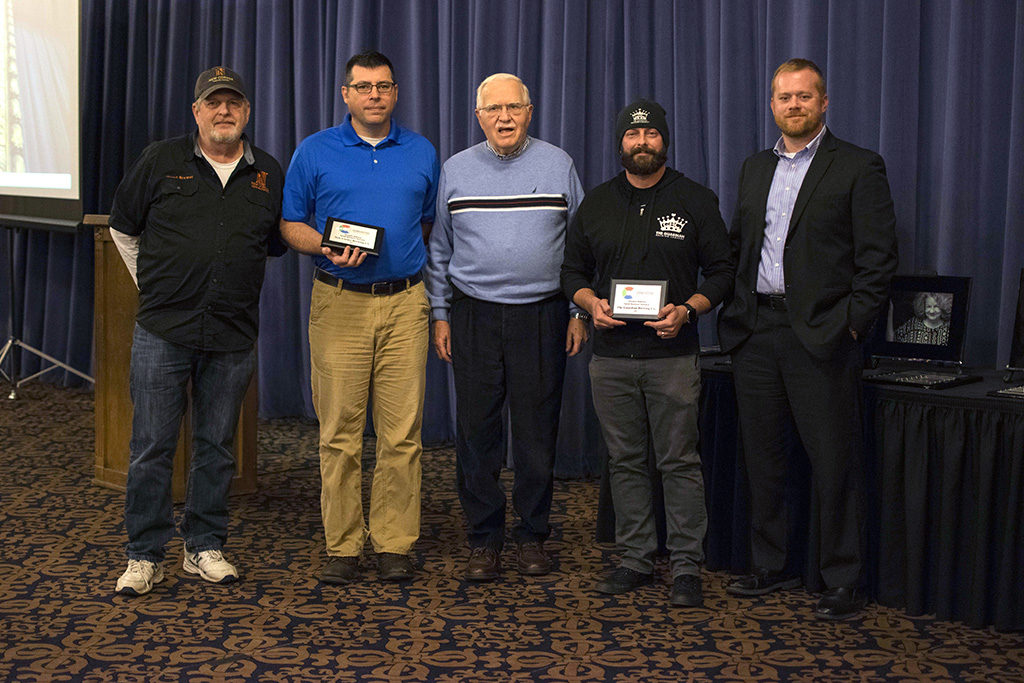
pixel 225 138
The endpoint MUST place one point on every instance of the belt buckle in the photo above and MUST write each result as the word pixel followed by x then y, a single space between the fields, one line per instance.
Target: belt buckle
pixel 385 288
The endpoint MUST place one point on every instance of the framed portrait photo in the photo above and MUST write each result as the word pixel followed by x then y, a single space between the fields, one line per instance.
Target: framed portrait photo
pixel 924 319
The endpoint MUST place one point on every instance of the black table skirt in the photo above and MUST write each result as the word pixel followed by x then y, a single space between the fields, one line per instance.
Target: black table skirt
pixel 945 498
pixel 950 508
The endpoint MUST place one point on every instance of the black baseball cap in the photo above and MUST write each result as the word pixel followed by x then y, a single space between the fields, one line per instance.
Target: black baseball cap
pixel 216 78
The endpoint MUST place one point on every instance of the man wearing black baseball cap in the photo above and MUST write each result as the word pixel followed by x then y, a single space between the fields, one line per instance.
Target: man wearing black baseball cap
pixel 194 218
pixel 218 78
pixel 632 255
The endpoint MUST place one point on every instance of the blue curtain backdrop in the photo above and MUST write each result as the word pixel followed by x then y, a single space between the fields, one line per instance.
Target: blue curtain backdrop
pixel 937 87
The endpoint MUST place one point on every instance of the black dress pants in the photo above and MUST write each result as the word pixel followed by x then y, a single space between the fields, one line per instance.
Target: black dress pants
pixel 776 377
pixel 514 352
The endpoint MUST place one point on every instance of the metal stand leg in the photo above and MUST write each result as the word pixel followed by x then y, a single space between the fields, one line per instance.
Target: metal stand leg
pixel 13 343
pixel 9 346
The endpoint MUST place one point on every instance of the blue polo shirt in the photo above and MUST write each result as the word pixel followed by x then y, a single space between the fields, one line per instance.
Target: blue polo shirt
pixel 336 174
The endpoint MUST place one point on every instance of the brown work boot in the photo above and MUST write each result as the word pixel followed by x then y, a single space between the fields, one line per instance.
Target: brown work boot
pixel 533 560
pixel 340 570
pixel 394 567
pixel 484 564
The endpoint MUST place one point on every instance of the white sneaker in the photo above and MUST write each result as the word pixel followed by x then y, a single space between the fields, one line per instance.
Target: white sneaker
pixel 139 578
pixel 211 565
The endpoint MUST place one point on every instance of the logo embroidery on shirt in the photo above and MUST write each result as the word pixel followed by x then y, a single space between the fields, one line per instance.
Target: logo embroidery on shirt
pixel 671 226
pixel 179 177
pixel 260 182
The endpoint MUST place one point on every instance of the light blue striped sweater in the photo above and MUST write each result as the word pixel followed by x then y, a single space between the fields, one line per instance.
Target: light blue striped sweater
pixel 500 223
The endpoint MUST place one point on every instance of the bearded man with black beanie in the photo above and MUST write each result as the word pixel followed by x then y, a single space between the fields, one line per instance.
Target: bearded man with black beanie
pixel 650 222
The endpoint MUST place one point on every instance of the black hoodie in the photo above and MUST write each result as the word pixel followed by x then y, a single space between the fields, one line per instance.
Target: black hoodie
pixel 666 232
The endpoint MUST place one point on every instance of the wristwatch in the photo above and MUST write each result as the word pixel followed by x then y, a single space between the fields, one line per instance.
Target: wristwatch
pixel 691 313
pixel 580 315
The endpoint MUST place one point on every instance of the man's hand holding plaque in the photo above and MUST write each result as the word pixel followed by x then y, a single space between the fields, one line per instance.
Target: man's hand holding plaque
pixel 670 319
pixel 601 313
pixel 342 235
pixel 349 257
pixel 638 299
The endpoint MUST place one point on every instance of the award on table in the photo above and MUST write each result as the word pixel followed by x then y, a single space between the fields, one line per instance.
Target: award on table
pixel 339 234
pixel 638 299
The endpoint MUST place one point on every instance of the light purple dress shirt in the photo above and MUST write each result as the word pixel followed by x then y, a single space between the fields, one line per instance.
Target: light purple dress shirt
pixel 789 175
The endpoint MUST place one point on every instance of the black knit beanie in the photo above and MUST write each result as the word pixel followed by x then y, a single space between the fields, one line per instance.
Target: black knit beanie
pixel 641 114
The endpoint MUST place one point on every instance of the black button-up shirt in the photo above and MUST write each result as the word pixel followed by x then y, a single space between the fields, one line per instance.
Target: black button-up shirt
pixel 202 246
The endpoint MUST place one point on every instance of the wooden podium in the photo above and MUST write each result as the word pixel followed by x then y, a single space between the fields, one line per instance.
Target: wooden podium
pixel 116 302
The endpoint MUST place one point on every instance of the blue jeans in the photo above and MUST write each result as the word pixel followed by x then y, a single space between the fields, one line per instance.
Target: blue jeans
pixel 159 380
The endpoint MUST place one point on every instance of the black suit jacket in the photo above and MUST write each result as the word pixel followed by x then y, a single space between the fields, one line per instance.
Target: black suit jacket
pixel 840 251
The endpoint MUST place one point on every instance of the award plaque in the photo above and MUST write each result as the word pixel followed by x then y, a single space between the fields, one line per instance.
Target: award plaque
pixel 339 234
pixel 637 299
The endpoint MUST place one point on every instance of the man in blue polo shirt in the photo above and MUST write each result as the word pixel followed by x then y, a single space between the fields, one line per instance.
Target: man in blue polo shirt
pixel 368 318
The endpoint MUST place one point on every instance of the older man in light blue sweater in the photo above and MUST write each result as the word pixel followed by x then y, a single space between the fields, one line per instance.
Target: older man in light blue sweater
pixel 492 277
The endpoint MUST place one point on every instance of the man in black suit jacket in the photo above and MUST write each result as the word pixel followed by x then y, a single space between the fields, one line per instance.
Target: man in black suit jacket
pixel 814 234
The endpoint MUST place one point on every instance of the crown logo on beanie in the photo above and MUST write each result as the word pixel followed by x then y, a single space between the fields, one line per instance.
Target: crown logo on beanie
pixel 641 116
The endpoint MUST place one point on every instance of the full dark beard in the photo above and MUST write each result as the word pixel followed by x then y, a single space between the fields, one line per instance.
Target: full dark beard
pixel 648 165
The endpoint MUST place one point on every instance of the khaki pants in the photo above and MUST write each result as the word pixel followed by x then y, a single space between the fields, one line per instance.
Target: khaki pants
pixel 357 341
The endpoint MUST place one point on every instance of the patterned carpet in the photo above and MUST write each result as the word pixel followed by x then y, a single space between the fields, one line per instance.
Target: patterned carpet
pixel 61 541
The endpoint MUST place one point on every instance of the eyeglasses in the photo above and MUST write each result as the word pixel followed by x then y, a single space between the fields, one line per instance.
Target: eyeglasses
pixel 364 88
pixel 514 109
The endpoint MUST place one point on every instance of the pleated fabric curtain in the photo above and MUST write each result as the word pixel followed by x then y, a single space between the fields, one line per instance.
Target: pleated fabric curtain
pixel 936 87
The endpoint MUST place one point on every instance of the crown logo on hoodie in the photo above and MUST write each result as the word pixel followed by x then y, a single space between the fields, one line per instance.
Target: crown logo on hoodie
pixel 672 223
pixel 641 116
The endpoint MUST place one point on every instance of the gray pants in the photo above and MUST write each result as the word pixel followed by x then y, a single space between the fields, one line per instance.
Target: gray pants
pixel 632 395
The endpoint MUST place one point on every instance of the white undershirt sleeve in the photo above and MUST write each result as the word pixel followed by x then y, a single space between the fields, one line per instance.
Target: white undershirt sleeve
pixel 128 246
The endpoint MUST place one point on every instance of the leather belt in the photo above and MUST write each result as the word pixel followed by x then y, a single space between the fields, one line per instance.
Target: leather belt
pixel 376 288
pixel 776 302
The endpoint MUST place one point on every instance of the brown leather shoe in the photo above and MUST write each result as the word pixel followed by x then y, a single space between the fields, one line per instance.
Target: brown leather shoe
pixel 340 570
pixel 394 567
pixel 533 560
pixel 484 564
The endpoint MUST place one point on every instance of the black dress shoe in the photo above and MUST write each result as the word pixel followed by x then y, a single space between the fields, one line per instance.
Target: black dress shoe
pixel 484 564
pixel 532 559
pixel 841 603
pixel 687 591
pixel 761 582
pixel 622 580
pixel 340 570
pixel 394 567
